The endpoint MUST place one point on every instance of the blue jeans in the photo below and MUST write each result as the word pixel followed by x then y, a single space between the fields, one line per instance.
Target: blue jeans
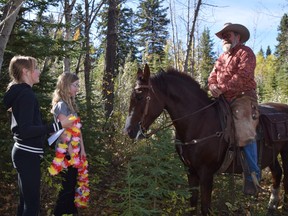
pixel 250 151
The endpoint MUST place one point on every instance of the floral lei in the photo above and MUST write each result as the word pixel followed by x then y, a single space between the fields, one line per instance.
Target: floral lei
pixel 60 162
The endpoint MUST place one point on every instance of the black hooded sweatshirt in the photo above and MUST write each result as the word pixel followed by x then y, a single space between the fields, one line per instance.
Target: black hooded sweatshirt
pixel 28 130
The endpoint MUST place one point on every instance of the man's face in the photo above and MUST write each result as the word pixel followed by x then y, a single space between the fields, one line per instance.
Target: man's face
pixel 229 40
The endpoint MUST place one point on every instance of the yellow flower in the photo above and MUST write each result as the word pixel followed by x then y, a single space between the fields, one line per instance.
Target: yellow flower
pixel 63 145
pixel 85 193
pixel 58 160
pixel 52 171
pixel 74 143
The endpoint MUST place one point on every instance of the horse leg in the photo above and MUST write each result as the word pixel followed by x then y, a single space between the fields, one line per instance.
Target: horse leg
pixel 194 188
pixel 284 156
pixel 206 186
pixel 276 172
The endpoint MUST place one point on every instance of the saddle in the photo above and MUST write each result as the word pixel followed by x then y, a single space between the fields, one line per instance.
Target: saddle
pixel 273 123
pixel 272 127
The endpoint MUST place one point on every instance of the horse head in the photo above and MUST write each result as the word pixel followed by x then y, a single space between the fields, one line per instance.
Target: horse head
pixel 144 107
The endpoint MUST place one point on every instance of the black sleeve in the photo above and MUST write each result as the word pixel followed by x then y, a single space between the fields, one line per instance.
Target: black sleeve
pixel 29 120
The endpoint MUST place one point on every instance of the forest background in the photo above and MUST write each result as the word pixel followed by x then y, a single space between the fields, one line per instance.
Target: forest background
pixel 104 42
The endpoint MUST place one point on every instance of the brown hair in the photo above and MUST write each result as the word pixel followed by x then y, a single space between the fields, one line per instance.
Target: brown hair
pixel 62 91
pixel 16 66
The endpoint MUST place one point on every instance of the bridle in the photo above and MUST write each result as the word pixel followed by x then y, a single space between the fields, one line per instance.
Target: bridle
pixel 148 98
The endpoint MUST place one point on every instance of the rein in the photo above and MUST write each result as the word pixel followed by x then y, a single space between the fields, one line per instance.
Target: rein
pixel 147 135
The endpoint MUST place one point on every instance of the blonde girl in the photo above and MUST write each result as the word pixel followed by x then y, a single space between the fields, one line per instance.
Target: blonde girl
pixel 63 105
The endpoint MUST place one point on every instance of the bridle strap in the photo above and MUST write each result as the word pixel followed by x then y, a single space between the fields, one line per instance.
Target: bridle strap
pixel 148 98
pixel 194 141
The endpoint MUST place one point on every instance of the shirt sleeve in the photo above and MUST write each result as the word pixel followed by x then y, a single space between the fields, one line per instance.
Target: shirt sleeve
pixel 212 79
pixel 61 108
pixel 29 120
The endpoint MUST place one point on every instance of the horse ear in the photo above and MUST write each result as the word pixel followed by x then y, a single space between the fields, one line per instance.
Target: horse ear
pixel 146 72
pixel 140 74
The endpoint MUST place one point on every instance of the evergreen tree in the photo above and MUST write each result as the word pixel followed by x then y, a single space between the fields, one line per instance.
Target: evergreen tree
pixel 101 30
pixel 282 57
pixel 126 41
pixel 268 51
pixel 152 23
pixel 261 52
pixel 282 38
pixel 206 57
pixel 126 36
pixel 29 37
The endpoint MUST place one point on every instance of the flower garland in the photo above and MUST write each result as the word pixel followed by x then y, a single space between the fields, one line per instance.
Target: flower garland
pixel 60 162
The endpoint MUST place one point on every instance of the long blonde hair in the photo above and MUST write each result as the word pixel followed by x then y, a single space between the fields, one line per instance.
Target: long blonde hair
pixel 62 91
pixel 16 66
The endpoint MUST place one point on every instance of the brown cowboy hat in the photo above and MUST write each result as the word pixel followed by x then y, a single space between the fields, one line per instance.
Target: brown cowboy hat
pixel 240 29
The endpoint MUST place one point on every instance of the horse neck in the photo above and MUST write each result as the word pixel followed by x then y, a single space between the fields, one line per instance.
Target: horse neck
pixel 183 99
pixel 183 106
pixel 188 112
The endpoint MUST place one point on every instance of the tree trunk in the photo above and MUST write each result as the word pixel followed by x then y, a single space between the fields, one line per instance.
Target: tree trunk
pixel 68 17
pixel 91 11
pixel 191 36
pixel 110 58
pixel 7 24
pixel 174 34
pixel 87 60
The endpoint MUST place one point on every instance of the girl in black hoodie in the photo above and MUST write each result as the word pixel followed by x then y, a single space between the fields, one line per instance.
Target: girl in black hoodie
pixel 28 130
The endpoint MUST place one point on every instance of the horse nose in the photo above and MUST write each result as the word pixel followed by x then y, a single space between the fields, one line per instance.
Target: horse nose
pixel 131 131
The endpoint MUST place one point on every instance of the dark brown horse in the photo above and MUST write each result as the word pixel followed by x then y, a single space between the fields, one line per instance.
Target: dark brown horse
pixel 197 123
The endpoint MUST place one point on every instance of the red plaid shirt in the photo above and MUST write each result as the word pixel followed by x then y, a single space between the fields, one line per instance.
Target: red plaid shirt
pixel 233 72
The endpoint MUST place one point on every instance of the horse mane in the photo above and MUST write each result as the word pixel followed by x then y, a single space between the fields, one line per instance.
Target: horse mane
pixel 179 78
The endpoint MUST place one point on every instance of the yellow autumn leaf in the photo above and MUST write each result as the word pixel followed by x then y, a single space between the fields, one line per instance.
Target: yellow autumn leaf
pixel 77 34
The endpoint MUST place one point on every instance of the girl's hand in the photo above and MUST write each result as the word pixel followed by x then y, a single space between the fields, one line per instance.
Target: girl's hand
pixel 67 122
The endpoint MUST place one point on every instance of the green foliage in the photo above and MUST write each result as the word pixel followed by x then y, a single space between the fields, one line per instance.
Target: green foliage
pixel 155 181
pixel 206 58
pixel 282 57
pixel 50 185
pixel 126 37
pixel 268 79
pixel 282 38
pixel 40 43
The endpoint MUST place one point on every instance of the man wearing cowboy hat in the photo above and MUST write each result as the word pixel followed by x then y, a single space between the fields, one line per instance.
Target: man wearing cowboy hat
pixel 233 77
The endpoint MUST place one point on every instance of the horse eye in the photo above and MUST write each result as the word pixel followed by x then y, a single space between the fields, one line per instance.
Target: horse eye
pixel 139 97
pixel 138 94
